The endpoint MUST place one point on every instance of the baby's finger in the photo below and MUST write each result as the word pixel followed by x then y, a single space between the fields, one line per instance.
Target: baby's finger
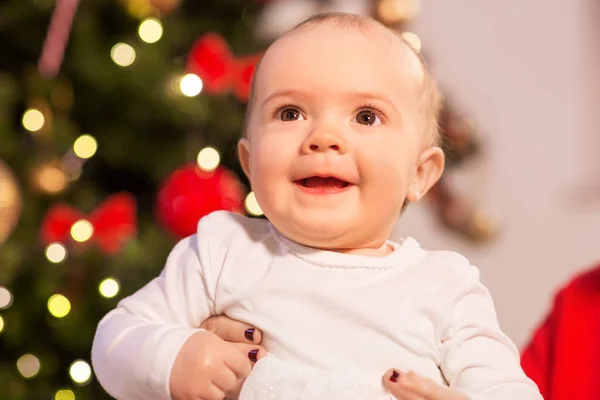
pixel 238 362
pixel 212 392
pixel 232 330
pixel 234 392
pixel 226 380
pixel 253 352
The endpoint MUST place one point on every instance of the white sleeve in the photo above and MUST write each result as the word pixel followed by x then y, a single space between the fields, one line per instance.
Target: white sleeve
pixel 136 344
pixel 477 358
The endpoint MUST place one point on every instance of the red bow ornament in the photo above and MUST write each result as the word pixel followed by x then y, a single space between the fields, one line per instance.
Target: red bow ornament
pixel 220 70
pixel 113 223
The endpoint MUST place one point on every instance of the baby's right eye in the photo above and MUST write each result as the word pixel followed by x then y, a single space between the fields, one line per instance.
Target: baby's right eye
pixel 290 114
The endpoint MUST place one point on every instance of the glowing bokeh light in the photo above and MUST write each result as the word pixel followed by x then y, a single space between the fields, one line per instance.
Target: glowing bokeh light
pixel 252 205
pixel 190 85
pixel 56 252
pixel 109 288
pixel 59 306
pixel 122 54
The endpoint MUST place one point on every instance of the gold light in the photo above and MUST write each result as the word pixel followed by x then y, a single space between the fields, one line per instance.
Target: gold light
pixel 208 159
pixel 150 30
pixel 1 324
pixel 80 372
pixel 190 85
pixel 109 288
pixel 59 306
pixel 6 298
pixel 398 11
pixel 64 394
pixel 85 146
pixel 252 205
pixel 56 252
pixel 139 8
pixel 122 54
pixel 82 231
pixel 50 179
pixel 28 365
pixel 33 120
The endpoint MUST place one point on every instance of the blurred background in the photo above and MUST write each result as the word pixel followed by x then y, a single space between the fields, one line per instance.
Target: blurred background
pixel 118 126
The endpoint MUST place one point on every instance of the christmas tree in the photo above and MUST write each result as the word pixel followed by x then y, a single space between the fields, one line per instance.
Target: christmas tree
pixel 87 156
pixel 119 121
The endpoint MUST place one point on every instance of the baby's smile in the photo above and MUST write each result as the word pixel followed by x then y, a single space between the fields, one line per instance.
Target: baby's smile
pixel 322 185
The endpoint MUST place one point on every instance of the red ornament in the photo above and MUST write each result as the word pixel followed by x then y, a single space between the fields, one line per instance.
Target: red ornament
pixel 211 59
pixel 190 193
pixel 113 222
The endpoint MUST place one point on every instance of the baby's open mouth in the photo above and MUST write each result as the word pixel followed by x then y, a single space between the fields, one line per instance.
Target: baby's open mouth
pixel 322 185
pixel 316 182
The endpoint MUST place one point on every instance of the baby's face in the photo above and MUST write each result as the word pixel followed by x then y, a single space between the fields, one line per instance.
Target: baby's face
pixel 334 139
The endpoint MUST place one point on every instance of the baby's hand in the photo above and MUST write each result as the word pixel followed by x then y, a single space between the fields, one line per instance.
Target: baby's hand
pixel 410 386
pixel 209 368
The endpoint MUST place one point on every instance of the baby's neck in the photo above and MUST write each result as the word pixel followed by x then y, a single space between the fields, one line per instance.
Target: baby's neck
pixel 370 252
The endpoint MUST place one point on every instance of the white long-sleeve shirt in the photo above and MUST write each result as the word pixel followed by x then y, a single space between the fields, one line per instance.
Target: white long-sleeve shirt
pixel 342 314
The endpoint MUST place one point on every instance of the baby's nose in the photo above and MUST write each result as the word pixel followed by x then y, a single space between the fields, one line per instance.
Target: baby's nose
pixel 320 142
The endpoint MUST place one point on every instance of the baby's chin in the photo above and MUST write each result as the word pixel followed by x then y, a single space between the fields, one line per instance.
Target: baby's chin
pixel 331 237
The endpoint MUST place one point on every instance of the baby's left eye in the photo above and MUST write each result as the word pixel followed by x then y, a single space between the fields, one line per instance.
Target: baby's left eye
pixel 368 117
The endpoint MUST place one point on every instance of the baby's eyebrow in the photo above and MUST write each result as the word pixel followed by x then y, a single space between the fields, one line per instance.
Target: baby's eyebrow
pixel 354 95
pixel 374 96
pixel 297 93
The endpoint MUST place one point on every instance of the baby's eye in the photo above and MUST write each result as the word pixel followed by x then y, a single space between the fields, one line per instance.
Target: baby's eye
pixel 290 114
pixel 368 117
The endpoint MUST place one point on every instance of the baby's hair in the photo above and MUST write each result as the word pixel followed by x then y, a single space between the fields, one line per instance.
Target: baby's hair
pixel 430 101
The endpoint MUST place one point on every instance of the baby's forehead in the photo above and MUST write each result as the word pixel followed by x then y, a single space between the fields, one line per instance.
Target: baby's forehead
pixel 317 36
pixel 373 49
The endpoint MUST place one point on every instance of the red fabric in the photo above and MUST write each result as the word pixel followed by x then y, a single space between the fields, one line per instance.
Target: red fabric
pixel 563 357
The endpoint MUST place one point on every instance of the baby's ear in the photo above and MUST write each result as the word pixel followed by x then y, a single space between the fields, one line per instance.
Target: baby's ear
pixel 244 155
pixel 429 170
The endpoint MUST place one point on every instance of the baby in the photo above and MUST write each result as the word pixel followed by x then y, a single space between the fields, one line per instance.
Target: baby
pixel 341 130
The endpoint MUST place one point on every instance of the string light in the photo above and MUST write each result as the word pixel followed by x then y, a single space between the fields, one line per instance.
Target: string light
pixel 28 365
pixel 6 298
pixel 50 179
pixel 208 159
pixel 64 394
pixel 109 288
pixel 59 306
pixel 190 85
pixel 395 11
pixel 150 30
pixel 80 372
pixel 33 120
pixel 252 205
pixel 122 54
pixel 56 252
pixel 1 324
pixel 139 8
pixel 82 231
pixel 413 40
pixel 85 146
